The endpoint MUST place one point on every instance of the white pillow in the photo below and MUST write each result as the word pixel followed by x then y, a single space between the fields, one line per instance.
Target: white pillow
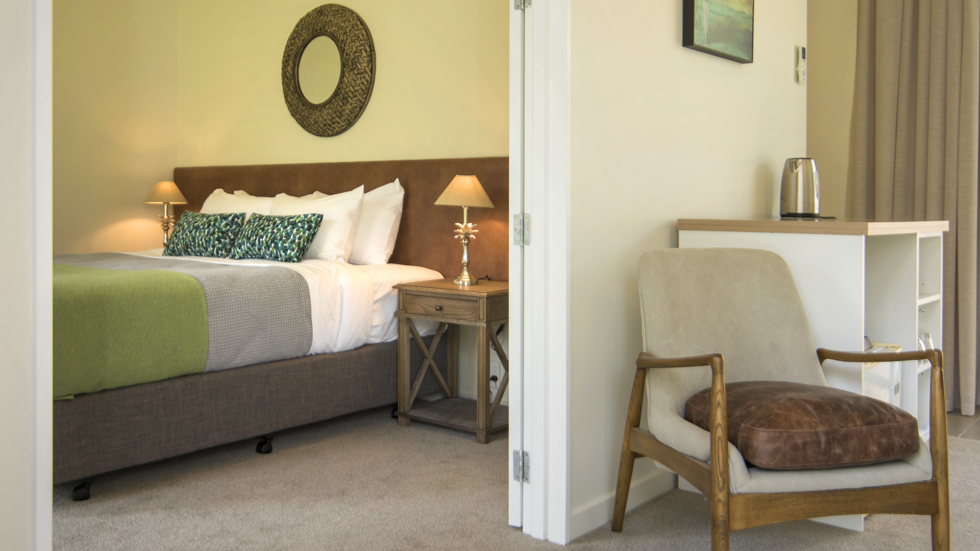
pixel 378 226
pixel 335 238
pixel 243 193
pixel 220 202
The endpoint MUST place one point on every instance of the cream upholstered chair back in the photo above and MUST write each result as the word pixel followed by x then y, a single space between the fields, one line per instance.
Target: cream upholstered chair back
pixel 741 303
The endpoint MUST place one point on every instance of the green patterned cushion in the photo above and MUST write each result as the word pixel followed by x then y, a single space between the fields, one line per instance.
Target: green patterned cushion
pixel 199 234
pixel 280 238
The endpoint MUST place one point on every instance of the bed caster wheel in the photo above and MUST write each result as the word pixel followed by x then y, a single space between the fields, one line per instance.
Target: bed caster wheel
pixel 264 446
pixel 83 491
pixel 394 412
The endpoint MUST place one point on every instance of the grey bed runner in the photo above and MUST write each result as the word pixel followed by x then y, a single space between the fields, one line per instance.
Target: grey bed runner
pixel 255 313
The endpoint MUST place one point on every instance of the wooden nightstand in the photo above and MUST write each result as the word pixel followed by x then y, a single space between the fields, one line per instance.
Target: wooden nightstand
pixel 483 305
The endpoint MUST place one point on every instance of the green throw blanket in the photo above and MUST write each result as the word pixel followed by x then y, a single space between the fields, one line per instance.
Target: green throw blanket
pixel 102 318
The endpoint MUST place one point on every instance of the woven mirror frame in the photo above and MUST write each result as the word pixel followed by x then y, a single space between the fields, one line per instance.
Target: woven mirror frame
pixel 357 65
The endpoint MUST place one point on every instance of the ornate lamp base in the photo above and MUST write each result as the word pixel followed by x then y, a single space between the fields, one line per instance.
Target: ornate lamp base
pixel 465 232
pixel 166 222
pixel 465 278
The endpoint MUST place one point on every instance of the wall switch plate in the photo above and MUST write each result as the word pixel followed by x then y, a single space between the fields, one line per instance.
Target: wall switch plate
pixel 801 65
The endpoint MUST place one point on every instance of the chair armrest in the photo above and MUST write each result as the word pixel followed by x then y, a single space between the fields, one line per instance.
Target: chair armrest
pixel 715 361
pixel 870 357
pixel 938 443
pixel 719 414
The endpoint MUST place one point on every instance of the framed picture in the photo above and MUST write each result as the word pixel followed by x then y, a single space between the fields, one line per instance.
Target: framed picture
pixel 720 27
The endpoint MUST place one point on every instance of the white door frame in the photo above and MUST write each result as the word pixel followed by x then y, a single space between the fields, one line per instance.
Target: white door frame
pixel 544 152
pixel 515 333
pixel 43 231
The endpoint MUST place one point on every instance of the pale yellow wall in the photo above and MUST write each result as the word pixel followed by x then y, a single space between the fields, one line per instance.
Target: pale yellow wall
pixel 115 120
pixel 658 132
pixel 17 273
pixel 440 89
pixel 832 36
pixel 143 86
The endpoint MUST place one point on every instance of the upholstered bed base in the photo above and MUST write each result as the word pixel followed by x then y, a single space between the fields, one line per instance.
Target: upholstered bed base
pixel 104 431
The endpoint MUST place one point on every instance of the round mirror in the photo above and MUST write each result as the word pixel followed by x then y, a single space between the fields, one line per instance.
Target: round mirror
pixel 319 69
pixel 337 53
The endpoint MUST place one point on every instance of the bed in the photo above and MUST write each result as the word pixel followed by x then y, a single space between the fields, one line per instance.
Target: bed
pixel 98 432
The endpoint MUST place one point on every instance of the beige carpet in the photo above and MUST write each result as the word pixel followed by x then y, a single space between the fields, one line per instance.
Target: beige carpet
pixel 363 482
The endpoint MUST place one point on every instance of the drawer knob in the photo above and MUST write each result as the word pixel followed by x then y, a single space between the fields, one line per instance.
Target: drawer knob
pixel 438 308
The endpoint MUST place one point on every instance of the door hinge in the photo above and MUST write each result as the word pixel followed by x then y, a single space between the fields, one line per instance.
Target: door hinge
pixel 522 229
pixel 522 466
pixel 522 4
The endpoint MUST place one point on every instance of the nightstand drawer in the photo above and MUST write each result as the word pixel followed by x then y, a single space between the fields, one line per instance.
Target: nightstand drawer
pixel 447 307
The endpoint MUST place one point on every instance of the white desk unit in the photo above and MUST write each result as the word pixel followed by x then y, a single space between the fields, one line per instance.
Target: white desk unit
pixel 882 280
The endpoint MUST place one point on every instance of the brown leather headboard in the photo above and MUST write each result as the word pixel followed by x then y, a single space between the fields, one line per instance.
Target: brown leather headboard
pixel 426 234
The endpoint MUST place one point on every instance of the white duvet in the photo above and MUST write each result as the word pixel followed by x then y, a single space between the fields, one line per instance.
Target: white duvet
pixel 350 305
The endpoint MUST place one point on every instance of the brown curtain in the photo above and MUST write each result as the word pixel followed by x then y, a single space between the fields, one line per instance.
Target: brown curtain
pixel 915 146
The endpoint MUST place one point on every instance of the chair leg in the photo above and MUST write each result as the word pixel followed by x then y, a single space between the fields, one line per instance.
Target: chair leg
pixel 628 457
pixel 940 531
pixel 940 521
pixel 939 448
pixel 719 526
pixel 623 487
pixel 719 460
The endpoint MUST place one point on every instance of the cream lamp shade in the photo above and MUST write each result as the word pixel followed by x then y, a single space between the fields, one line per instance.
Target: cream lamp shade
pixel 165 192
pixel 465 191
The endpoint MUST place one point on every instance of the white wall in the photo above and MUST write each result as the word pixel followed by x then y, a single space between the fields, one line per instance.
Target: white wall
pixel 25 516
pixel 832 53
pixel 658 132
pixel 115 126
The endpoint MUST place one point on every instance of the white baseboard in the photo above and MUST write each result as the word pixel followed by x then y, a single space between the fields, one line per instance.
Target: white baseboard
pixel 683 484
pixel 849 522
pixel 593 515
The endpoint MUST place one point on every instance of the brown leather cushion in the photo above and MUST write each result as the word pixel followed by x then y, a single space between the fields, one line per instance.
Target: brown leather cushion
pixel 788 426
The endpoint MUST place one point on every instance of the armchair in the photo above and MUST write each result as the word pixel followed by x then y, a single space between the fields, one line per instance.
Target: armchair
pixel 737 311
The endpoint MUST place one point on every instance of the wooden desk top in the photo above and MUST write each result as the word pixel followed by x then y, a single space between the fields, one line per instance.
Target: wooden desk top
pixel 829 227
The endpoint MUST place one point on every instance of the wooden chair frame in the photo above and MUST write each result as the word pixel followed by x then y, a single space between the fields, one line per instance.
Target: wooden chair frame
pixel 731 512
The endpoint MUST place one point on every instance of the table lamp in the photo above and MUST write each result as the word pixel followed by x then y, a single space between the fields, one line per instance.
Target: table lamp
pixel 166 194
pixel 465 191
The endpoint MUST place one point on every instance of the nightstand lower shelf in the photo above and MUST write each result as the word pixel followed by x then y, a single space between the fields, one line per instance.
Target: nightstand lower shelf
pixel 456 413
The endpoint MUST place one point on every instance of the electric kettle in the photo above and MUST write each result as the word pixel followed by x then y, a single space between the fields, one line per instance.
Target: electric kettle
pixel 800 191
